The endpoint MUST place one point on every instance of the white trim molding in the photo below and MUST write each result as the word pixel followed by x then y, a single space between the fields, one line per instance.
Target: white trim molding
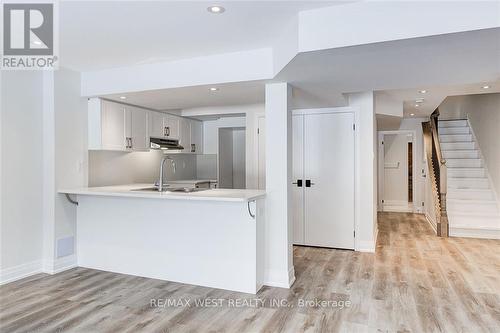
pixel 279 278
pixel 474 232
pixel 20 271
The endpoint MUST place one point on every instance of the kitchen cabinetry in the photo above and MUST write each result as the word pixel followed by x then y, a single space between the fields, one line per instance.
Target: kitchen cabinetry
pixel 323 179
pixel 185 134
pixel 120 127
pixel 196 137
pixel 114 126
pixel 163 125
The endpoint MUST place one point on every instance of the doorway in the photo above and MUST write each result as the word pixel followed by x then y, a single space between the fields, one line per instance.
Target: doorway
pixel 396 171
pixel 232 171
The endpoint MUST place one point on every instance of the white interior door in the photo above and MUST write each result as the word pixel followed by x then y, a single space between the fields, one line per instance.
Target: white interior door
pixel 298 179
pixel 261 146
pixel 329 165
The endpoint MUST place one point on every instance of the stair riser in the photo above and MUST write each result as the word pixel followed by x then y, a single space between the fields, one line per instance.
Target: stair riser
pixel 464 163
pixel 473 208
pixel 467 173
pixel 470 195
pixel 480 183
pixel 454 130
pixel 458 145
pixel 472 221
pixel 456 138
pixel 453 123
pixel 460 154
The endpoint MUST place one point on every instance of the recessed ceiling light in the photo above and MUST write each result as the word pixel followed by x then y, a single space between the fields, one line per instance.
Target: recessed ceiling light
pixel 423 91
pixel 213 89
pixel 412 114
pixel 123 97
pixel 416 105
pixel 419 100
pixel 486 87
pixel 216 9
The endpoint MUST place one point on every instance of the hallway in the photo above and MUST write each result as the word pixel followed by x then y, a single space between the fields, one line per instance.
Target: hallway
pixel 415 282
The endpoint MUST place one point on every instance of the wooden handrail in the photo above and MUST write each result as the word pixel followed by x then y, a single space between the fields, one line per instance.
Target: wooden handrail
pixel 437 172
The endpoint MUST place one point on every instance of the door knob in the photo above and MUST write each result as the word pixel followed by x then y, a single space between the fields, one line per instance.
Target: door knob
pixel 309 183
pixel 298 183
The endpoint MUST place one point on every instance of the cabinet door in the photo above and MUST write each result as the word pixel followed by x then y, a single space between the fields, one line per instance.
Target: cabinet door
pixel 172 124
pixel 113 126
pixel 185 134
pixel 329 167
pixel 156 125
pixel 139 129
pixel 298 179
pixel 196 137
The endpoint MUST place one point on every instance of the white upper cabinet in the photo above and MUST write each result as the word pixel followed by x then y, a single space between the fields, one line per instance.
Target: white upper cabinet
pixel 163 125
pixel 185 134
pixel 196 137
pixel 114 126
pixel 113 117
pixel 172 124
pixel 139 138
pixel 157 128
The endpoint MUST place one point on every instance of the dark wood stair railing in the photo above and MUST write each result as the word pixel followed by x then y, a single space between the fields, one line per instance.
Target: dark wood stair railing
pixel 437 172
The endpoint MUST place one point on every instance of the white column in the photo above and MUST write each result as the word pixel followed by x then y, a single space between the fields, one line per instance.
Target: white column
pixel 366 173
pixel 279 255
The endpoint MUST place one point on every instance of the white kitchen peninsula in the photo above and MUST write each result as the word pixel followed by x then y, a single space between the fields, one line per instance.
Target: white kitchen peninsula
pixel 210 238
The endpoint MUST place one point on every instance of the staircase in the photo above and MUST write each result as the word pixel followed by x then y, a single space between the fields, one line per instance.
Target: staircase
pixel 472 207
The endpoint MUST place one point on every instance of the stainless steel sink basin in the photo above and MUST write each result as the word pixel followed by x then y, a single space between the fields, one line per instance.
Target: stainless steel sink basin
pixel 171 189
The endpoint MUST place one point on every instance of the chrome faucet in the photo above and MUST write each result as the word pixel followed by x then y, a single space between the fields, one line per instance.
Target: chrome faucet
pixel 160 183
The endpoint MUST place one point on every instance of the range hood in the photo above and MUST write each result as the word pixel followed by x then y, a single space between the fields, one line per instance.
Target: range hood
pixel 165 144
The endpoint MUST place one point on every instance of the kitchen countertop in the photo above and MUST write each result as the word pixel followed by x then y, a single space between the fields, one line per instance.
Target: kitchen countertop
pixel 207 195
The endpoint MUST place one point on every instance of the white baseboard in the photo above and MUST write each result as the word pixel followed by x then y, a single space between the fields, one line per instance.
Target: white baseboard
pixel 60 264
pixel 279 278
pixel 20 271
pixel 487 233
pixel 366 246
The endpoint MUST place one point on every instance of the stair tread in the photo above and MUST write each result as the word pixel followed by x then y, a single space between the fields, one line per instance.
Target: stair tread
pixel 475 201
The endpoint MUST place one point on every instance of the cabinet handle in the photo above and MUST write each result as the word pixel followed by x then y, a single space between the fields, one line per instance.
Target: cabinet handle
pixel 168 130
pixel 130 142
pixel 126 143
pixel 193 147
pixel 165 131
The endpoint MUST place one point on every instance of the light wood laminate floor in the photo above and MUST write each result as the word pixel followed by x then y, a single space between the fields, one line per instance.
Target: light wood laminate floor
pixel 414 282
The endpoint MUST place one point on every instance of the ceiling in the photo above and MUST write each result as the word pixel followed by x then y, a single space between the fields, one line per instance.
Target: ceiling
pixel 239 93
pixel 435 95
pixel 445 65
pixel 110 34
pixel 405 66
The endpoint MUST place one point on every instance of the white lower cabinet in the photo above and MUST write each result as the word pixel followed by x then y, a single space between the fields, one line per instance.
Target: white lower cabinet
pixel 115 126
pixel 323 179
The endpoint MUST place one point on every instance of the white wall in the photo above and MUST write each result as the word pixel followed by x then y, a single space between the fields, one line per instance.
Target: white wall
pixel 211 131
pixel 21 173
pixel 114 168
pixel 483 112
pixel 366 159
pixel 70 166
